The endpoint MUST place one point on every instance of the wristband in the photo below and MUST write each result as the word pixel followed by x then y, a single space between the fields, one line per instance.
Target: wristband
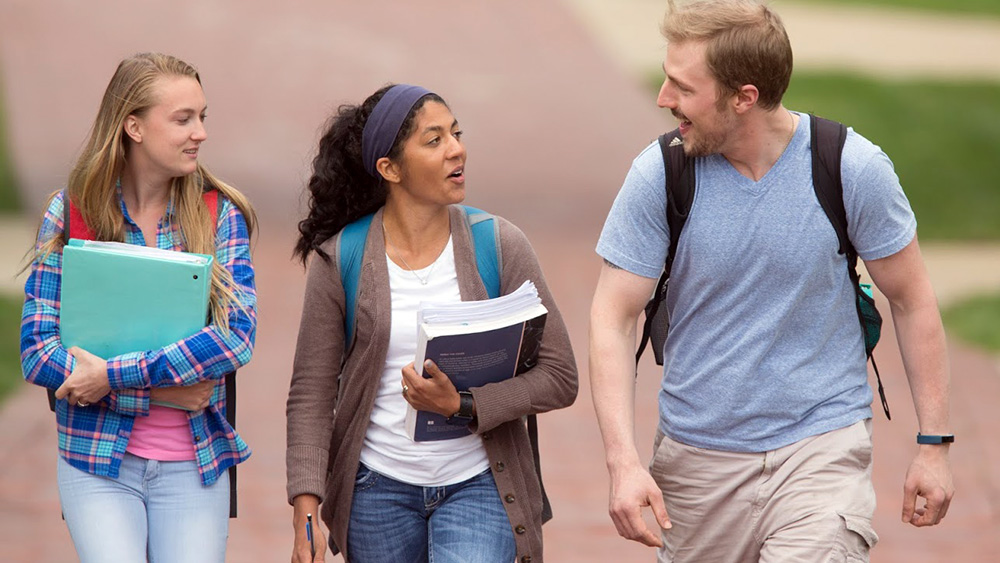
pixel 465 406
pixel 935 438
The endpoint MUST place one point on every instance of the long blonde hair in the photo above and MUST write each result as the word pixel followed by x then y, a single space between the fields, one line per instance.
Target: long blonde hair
pixel 92 182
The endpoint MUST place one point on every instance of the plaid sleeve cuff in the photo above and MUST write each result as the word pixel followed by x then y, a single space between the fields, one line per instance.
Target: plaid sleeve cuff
pixel 127 371
pixel 130 402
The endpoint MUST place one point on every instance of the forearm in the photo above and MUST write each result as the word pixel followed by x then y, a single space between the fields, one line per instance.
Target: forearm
pixel 209 354
pixel 310 411
pixel 925 360
pixel 618 301
pixel 612 382
pixel 315 384
pixel 44 360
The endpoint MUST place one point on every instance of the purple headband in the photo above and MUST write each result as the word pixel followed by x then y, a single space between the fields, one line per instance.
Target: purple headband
pixel 384 122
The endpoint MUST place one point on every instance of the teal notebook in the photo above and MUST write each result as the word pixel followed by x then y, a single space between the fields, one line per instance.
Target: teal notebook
pixel 119 298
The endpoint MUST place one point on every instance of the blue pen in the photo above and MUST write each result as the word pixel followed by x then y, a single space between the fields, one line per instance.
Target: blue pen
pixel 309 534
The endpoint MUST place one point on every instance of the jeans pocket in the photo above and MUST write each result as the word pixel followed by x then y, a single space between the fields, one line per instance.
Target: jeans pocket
pixel 365 479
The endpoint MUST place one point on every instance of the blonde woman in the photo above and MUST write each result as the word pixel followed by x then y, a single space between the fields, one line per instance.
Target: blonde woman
pixel 138 480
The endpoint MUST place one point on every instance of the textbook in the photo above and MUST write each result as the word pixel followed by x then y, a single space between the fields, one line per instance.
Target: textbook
pixel 119 298
pixel 475 343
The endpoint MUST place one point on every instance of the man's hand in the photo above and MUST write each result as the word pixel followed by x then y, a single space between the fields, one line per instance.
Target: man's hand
pixel 88 383
pixel 929 476
pixel 632 489
pixel 189 397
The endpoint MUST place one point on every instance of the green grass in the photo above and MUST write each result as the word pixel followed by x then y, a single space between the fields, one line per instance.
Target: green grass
pixel 943 138
pixel 10 347
pixel 975 321
pixel 958 7
pixel 9 199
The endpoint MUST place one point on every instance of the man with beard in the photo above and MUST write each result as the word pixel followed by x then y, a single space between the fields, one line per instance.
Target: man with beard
pixel 763 450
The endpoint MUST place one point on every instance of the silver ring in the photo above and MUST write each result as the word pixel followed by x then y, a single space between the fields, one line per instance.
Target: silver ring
pixel 405 388
pixel 82 404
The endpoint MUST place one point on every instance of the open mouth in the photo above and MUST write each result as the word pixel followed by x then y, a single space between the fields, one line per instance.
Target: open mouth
pixel 683 122
pixel 458 173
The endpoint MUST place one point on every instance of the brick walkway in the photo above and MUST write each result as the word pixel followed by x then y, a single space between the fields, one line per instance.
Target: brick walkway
pixel 549 120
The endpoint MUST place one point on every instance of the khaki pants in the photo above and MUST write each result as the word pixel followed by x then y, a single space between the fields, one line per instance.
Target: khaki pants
pixel 808 502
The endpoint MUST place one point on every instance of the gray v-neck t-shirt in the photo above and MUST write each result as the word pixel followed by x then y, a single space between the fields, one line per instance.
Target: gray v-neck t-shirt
pixel 765 347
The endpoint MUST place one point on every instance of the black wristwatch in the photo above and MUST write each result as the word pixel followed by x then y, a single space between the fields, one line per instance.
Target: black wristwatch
pixel 465 413
pixel 935 438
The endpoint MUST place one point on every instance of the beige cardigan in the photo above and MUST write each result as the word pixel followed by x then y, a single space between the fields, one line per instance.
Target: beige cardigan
pixel 327 425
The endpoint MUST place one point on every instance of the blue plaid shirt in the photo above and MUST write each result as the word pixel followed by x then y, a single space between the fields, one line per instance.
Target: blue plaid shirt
pixel 94 438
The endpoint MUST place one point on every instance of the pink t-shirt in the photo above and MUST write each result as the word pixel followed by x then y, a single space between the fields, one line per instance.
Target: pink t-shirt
pixel 164 435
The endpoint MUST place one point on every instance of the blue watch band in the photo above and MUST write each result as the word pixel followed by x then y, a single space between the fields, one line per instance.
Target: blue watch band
pixel 935 438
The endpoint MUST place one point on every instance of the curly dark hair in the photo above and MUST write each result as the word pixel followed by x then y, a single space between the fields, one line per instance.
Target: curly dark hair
pixel 340 189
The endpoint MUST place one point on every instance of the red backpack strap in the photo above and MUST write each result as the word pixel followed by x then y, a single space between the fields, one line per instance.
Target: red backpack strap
pixel 75 227
pixel 211 197
pixel 73 224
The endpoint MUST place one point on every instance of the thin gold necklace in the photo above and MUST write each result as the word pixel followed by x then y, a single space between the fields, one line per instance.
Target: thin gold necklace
pixel 423 281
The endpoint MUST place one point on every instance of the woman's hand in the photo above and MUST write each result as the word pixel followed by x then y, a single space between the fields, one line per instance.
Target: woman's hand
pixel 89 381
pixel 302 550
pixel 433 394
pixel 189 397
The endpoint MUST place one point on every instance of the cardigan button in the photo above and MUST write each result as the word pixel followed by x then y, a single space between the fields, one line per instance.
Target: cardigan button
pixel 526 559
pixel 520 529
pixel 500 467
pixel 486 436
pixel 509 498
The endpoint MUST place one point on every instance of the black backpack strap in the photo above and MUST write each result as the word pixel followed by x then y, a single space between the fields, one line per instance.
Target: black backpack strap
pixel 212 197
pixel 231 419
pixel 679 179
pixel 230 383
pixel 828 138
pixel 827 142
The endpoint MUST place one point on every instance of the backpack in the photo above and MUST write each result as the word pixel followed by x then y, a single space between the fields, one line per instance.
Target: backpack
pixel 827 142
pixel 75 227
pixel 485 236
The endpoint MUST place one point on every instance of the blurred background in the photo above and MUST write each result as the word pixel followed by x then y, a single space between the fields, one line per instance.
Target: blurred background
pixel 556 97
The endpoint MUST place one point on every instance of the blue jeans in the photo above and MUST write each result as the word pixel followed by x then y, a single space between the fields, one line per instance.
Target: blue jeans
pixel 461 523
pixel 157 509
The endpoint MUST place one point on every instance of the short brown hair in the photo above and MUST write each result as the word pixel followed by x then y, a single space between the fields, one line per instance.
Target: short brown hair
pixel 746 44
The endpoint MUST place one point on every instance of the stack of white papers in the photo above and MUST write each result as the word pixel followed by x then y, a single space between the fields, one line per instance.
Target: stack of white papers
pixel 480 316
pixel 145 251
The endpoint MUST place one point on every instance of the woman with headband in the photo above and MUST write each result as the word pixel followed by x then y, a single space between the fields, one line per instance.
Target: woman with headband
pixel 384 496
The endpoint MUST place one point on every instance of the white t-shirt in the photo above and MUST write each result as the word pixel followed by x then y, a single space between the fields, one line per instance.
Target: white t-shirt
pixel 387 448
